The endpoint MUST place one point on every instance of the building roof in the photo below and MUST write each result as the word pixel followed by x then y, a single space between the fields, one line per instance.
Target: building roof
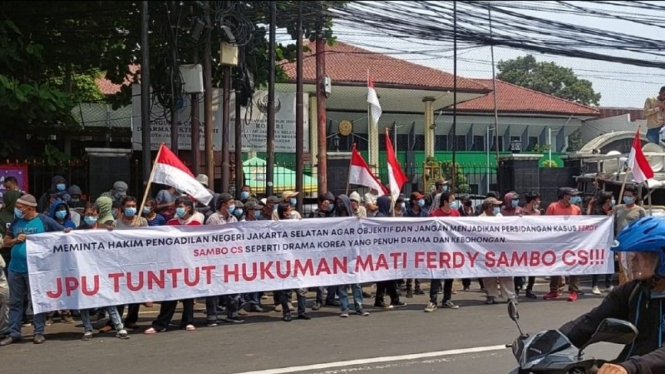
pixel 348 65
pixel 636 114
pixel 512 98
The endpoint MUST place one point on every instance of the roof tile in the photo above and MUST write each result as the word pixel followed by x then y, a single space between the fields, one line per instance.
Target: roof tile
pixel 512 98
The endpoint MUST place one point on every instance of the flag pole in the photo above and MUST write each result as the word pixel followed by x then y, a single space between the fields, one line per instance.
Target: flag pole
pixel 625 177
pixel 152 175
pixel 370 127
pixel 348 179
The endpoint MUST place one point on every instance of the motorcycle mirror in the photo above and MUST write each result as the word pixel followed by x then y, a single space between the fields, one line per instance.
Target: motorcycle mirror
pixel 512 311
pixel 612 330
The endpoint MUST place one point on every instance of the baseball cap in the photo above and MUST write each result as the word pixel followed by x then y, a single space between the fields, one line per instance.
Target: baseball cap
pixel 569 191
pixel 417 196
pixel 203 179
pixel 354 197
pixel 492 201
pixel 253 205
pixel 288 194
pixel 273 200
pixel 225 197
pixel 120 187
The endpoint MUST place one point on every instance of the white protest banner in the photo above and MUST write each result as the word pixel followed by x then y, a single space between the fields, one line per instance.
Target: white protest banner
pixel 93 268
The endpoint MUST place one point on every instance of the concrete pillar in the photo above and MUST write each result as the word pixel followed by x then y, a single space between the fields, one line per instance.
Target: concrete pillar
pixel 428 129
pixel 313 135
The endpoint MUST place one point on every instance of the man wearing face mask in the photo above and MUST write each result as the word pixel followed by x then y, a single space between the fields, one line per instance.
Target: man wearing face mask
pixel 569 198
pixel 640 301
pixel 58 190
pixel 625 214
pixel 118 192
pixel 433 199
pixel 224 211
pixel 511 204
pixel 290 197
pixel 416 206
pixel 269 211
pixel 400 206
pixel 245 193
pixel 531 208
pixel 492 208
pixel 326 206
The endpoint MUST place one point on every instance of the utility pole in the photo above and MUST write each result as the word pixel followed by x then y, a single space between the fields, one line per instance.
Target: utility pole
pixel 238 121
pixel 454 171
pixel 270 138
pixel 174 73
pixel 195 124
pixel 145 92
pixel 322 161
pixel 207 97
pixel 300 115
pixel 226 126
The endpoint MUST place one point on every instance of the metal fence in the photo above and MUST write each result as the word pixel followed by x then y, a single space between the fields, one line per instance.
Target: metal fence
pixel 41 172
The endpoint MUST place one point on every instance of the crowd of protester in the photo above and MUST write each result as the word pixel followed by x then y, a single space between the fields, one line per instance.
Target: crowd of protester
pixel 65 208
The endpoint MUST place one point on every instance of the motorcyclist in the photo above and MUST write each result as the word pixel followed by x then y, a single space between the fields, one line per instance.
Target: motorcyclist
pixel 639 301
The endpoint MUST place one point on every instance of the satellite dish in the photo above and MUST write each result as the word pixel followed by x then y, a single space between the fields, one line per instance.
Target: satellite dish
pixel 611 165
pixel 654 154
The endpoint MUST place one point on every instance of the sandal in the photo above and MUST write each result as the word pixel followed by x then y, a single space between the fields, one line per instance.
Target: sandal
pixel 153 330
pixel 190 328
pixel 106 329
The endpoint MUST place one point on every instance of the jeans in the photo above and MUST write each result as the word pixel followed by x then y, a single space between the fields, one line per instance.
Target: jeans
pixel 330 298
pixel 653 135
pixel 285 296
pixel 447 290
pixel 132 314
pixel 4 304
pixel 19 287
pixel 211 308
pixel 519 283
pixel 344 297
pixel 254 298
pixel 114 316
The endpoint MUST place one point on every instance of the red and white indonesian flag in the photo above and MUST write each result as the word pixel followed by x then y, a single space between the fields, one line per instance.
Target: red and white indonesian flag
pixel 169 170
pixel 396 177
pixel 373 101
pixel 637 163
pixel 360 174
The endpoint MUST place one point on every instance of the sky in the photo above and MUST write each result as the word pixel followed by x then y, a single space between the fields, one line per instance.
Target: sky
pixel 619 85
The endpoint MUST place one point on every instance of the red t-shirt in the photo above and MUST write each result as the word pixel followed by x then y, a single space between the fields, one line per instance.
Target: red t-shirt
pixel 440 213
pixel 175 222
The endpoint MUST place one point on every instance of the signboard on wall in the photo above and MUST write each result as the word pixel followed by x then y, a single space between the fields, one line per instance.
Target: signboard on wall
pixel 254 122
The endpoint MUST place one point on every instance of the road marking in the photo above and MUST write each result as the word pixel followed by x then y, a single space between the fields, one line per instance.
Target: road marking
pixel 376 360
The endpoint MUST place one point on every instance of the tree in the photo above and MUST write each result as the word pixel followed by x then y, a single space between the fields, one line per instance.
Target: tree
pixel 548 77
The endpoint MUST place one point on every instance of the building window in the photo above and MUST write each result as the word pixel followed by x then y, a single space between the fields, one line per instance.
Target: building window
pixel 460 143
pixel 361 142
pixel 441 143
pixel 533 143
pixel 419 143
pixel 478 143
pixel 473 189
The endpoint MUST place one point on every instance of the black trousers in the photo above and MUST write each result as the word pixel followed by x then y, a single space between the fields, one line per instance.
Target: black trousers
pixel 386 287
pixel 466 283
pixel 132 314
pixel 167 310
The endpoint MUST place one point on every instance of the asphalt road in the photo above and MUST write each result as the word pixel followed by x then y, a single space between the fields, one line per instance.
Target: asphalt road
pixel 467 340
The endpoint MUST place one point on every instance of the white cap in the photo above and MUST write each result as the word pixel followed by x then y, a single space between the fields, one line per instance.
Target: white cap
pixel 203 179
pixel 354 196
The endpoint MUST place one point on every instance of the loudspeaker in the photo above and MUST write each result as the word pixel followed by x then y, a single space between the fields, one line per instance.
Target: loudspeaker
pixel 108 165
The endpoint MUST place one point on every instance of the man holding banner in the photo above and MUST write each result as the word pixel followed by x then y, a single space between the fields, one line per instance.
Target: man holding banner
pixel 27 222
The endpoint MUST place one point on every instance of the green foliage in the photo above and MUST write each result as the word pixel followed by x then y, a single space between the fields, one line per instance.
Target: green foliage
pixel 541 148
pixel 548 77
pixel 53 156
pixel 461 182
pixel 549 164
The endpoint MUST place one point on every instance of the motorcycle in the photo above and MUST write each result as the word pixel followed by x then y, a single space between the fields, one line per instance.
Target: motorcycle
pixel 550 351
